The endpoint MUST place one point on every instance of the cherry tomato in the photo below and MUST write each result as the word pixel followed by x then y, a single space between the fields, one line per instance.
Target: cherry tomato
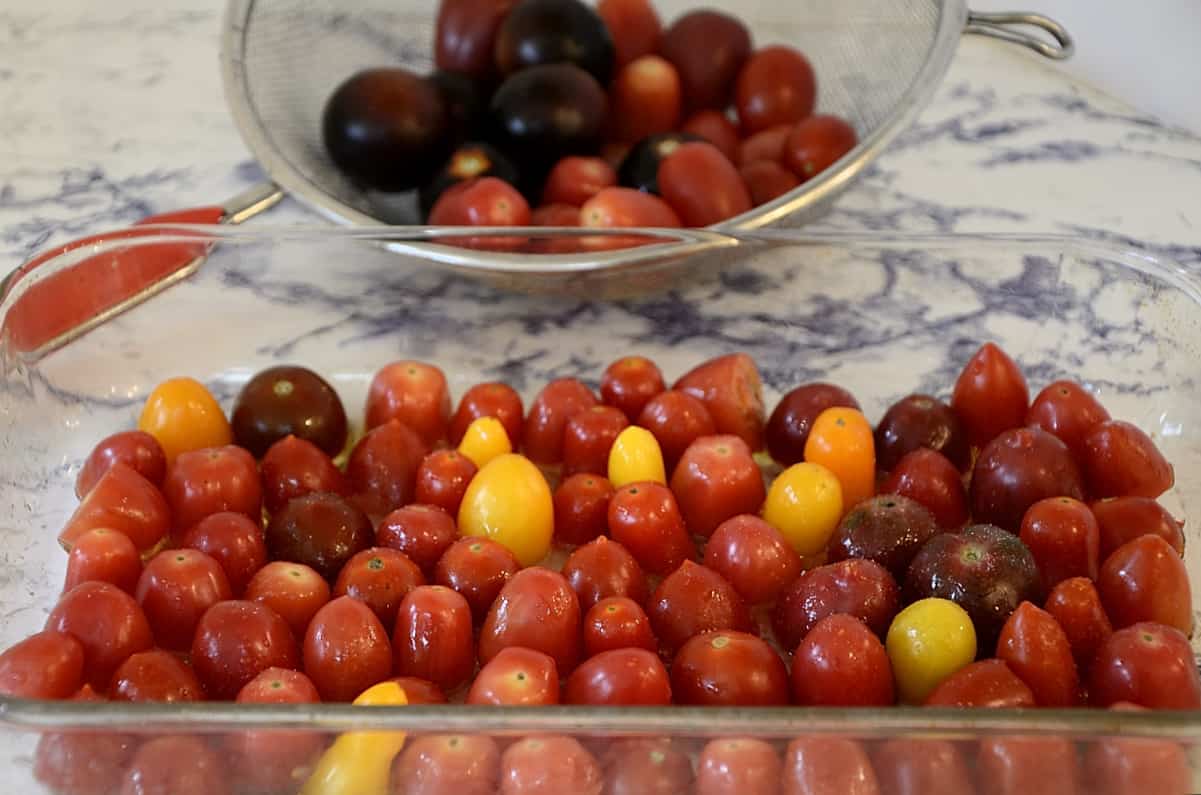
pixel 620 677
pixel 234 541
pixel 489 400
pixel 103 556
pixel 1119 460
pixel 928 478
pixel 701 185
pixel 1036 649
pixel 433 637
pixel 841 441
pixel 516 677
pixel 176 588
pixel 820 765
pixel 816 143
pixel 634 26
pixel 889 529
pixel 46 665
pixel 650 766
pixel 927 642
pixel 988 683
pixel 483 201
pixel 645 519
pixel 920 421
pixel 644 99
pixel 548 765
pixel 292 590
pixel 557 215
pixel 419 691
pixel 860 588
pixel 1066 410
pixel 776 86
pixel 575 180
pixel 442 480
pixel 582 508
pixel 288 401
pixel 203 482
pixel 841 662
pixel 714 127
pixel 1121 766
pixel 155 675
pixel 716 479
pixel 346 650
pixel 676 419
pixel 766 181
pixel 617 622
pixel 536 609
pixel 588 437
pixel 614 208
pixel 484 440
pixel 108 624
pixel 182 415
pixel 1064 538
pixel 477 568
pixel 1145 580
pixel 921 767
pixel 630 383
pixel 415 393
pixel 1123 519
pixel 792 420
pixel 558 402
pixel 636 457
pixel 176 765
pixel 738 766
pixel 319 530
pixel 465 34
pixel 83 763
pixel 235 642
pixel 1027 766
pixel 728 669
pixel 691 600
pixel 709 49
pixel 383 467
pixel 990 395
pixel 125 502
pixel 1018 468
pixel 422 532
pixel 805 503
pixel 137 450
pixel 603 568
pixel 510 502
pixel 447 764
pixel 766 145
pixel 1076 607
pixel 1146 664
pixel 269 761
pixel 380 578
pixel 293 468
pixel 754 557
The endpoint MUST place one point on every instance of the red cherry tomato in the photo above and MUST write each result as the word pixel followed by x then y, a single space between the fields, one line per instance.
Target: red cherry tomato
pixel 233 540
pixel 433 637
pixel 107 622
pixel 419 691
pixel 155 675
pixel 990 395
pixel 582 508
pixel 714 127
pixel 776 86
pixel 1036 648
pixel 548 765
pixel 842 663
pixel 237 641
pixel 646 520
pixel 1027 766
pixel 817 143
pixel 717 479
pixel 645 99
pixel 489 400
pixel 620 677
pixel 176 765
pixel 1121 766
pixel 708 48
pixel 1123 519
pixel 46 665
pixel 1068 411
pixel 988 683
pixel 738 766
pixel 766 181
pixel 588 437
pixel 103 556
pixel 766 145
pixel 1076 607
pixel 1119 460
pixel 701 185
pixel 123 501
pixel 691 600
pixel 754 557
pixel 860 588
pixel 820 765
pixel 1064 539
pixel 536 609
pixel 292 590
pixel 602 569
pixel 1147 664
pixel 83 763
pixel 465 35
pixel 138 450
pixel 1145 580
pixel 731 389
pixel 617 623
pixel 483 201
pixel 728 669
pixel 177 587
pixel 383 467
pixel 1018 468
pixel 652 766
pixel 516 677
pixel 630 383
pixel 442 480
pixel 415 393
pixel 477 568
pixel 929 478
pixel 447 764
pixel 295 467
pixel 422 532
pixel 379 578
pixel 346 650
pixel 676 420
pixel 200 483
pixel 268 761
pixel 634 26
pixel 615 208
pixel 575 180
pixel 555 405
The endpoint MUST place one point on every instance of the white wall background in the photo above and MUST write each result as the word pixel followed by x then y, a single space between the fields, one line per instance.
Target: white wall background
pixel 1147 52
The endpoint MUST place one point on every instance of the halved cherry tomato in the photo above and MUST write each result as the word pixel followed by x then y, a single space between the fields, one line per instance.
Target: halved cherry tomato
pixel 182 415
pixel 842 441
pixel 123 501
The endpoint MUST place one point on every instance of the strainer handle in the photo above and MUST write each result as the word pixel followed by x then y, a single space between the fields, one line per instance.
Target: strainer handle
pixel 1011 26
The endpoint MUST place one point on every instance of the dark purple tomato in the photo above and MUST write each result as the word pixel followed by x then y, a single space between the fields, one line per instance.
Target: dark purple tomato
pixel 789 425
pixel 465 101
pixel 545 113
pixel 322 531
pixel 465 37
pixel 708 49
pixel 288 401
pixel 889 530
pixel 640 168
pixel 540 32
pixel 469 161
pixel 1017 469
pixel 920 421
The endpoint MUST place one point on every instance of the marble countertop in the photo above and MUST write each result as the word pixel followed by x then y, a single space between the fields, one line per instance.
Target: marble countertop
pixel 115 111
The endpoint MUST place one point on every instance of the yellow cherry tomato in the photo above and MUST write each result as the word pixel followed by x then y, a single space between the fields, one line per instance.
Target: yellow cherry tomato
pixel 182 415
pixel 510 502
pixel 484 440
pixel 805 504
pixel 927 642
pixel 360 762
pixel 635 457
pixel 841 440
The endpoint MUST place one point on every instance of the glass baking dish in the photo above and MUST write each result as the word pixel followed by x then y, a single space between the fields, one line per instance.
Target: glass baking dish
pixel 883 316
